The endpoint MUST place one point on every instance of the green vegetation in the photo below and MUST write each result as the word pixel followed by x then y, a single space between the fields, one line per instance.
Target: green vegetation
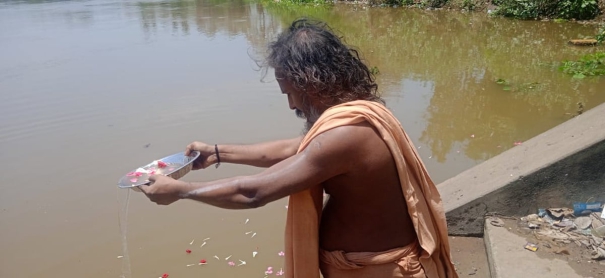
pixel 469 4
pixel 533 9
pixel 504 83
pixel 520 9
pixel 588 65
pixel 600 37
pixel 433 3
pixel 419 3
pixel 523 87
pixel 374 70
pixel 298 2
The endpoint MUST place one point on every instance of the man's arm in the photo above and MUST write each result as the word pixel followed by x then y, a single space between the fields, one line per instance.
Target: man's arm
pixel 328 155
pixel 260 155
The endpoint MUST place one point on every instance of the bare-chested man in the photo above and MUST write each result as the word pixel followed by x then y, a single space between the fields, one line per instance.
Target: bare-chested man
pixel 384 215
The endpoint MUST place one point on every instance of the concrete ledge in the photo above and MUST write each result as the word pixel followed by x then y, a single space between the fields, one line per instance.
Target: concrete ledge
pixel 560 166
pixel 507 257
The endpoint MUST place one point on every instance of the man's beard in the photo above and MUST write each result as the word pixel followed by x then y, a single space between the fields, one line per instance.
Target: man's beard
pixel 310 119
pixel 299 113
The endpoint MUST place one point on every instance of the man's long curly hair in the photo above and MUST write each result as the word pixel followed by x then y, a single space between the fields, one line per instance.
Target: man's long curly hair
pixel 317 62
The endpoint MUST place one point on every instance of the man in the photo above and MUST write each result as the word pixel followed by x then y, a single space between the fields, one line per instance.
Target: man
pixel 384 217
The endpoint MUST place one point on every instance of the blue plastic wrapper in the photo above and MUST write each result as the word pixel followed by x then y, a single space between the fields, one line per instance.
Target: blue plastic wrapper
pixel 585 208
pixel 541 212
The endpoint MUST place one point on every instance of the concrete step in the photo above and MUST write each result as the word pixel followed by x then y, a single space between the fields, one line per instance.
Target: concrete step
pixel 469 256
pixel 508 258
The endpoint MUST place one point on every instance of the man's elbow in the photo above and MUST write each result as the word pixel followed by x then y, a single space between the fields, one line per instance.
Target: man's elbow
pixel 251 197
pixel 255 202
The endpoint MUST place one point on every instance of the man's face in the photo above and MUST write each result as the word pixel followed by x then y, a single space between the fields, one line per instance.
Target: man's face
pixel 297 101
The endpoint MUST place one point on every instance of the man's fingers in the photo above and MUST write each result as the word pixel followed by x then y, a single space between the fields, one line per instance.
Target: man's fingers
pixel 188 149
pixel 143 188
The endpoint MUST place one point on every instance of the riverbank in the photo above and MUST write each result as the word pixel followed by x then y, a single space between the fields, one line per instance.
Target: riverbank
pixel 592 13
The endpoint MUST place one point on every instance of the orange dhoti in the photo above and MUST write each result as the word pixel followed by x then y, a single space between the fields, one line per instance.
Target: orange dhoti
pixel 399 262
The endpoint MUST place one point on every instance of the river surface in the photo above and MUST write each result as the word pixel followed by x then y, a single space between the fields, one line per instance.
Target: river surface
pixel 90 90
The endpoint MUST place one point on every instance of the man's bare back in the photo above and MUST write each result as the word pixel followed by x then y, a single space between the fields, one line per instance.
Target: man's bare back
pixel 366 211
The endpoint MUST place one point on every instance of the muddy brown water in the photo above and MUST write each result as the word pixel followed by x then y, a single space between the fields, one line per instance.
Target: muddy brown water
pixel 89 90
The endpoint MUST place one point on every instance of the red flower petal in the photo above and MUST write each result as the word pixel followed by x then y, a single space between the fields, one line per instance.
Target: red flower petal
pixel 165 275
pixel 188 251
pixel 134 180
pixel 202 261
pixel 161 164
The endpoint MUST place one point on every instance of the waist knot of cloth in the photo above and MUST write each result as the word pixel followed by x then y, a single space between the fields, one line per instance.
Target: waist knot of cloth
pixel 406 257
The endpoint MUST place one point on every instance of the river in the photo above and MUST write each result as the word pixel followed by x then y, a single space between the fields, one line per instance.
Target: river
pixel 90 90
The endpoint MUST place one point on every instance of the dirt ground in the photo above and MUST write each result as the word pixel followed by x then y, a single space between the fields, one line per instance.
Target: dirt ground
pixel 577 257
pixel 469 256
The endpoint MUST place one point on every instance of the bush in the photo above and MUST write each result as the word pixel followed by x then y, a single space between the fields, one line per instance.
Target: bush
pixel 420 3
pixel 434 3
pixel 566 9
pixel 468 4
pixel 305 2
pixel 578 9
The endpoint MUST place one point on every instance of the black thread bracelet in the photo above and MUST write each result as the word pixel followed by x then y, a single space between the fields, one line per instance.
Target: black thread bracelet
pixel 218 158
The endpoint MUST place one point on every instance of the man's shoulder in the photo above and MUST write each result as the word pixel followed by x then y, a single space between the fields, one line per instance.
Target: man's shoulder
pixel 346 148
pixel 355 131
pixel 346 139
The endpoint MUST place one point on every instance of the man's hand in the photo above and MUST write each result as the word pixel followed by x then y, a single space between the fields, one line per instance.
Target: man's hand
pixel 163 190
pixel 207 155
